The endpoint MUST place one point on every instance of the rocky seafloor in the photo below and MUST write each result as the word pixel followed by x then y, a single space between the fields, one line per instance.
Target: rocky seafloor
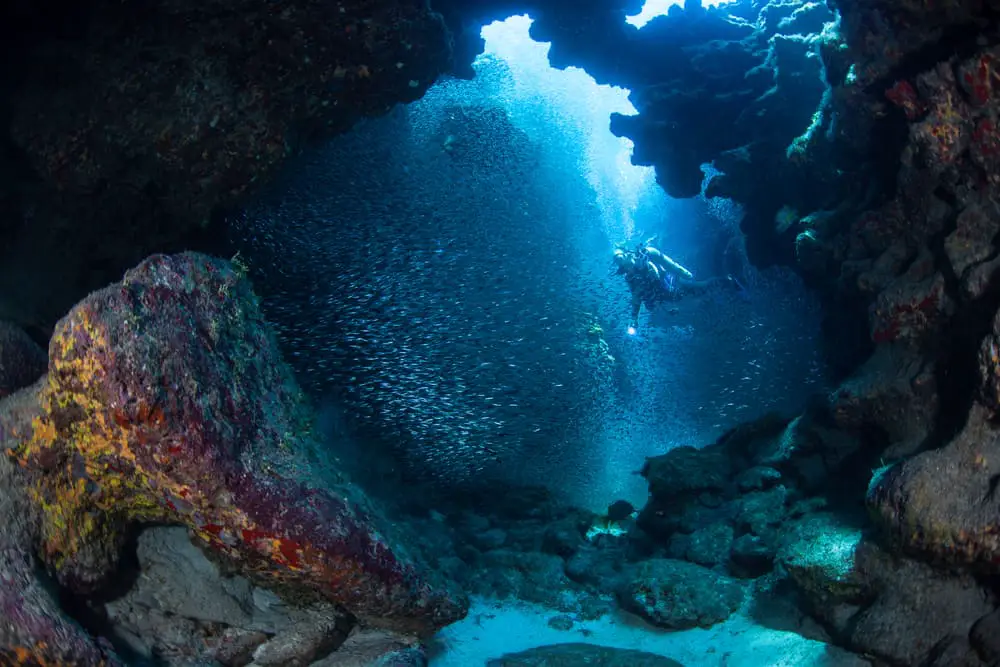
pixel 163 492
pixel 166 498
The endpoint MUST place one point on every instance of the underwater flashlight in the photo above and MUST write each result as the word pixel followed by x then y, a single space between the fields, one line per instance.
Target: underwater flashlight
pixel 631 331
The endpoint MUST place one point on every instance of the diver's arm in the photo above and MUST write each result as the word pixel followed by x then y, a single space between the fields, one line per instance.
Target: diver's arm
pixel 636 307
pixel 657 273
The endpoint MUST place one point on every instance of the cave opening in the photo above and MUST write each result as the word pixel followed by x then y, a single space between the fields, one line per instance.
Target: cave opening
pixel 491 407
pixel 443 282
pixel 653 8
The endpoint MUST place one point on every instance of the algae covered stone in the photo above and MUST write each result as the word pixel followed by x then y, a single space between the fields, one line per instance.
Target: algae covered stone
pixel 167 401
pixel 818 553
pixel 677 594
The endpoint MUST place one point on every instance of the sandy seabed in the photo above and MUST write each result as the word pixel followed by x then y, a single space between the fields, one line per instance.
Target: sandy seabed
pixel 495 628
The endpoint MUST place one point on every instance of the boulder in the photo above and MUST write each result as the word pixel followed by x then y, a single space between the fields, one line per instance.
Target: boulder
pixel 167 401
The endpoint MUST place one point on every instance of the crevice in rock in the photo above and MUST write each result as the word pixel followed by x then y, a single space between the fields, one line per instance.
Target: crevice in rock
pixel 847 492
pixel 990 581
pixel 957 365
pixel 948 197
pixel 88 610
pixel 891 136
pixel 845 338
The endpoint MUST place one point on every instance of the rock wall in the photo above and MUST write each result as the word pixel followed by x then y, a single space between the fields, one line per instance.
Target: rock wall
pixel 128 126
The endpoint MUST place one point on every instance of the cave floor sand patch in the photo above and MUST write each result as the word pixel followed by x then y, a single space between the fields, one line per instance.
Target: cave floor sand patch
pixel 495 628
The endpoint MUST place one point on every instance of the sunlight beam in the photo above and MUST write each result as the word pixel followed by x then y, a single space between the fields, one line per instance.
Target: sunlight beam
pixel 654 8
pixel 579 106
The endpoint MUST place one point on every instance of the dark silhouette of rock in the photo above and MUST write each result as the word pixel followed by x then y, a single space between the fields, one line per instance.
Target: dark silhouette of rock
pixel 129 126
pixel 985 636
pixel 21 360
pixel 737 85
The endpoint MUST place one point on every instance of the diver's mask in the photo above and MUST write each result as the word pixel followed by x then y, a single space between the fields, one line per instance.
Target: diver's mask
pixel 621 261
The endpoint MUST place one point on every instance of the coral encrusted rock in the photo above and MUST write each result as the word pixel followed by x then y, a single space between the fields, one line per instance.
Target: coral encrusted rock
pixel 167 401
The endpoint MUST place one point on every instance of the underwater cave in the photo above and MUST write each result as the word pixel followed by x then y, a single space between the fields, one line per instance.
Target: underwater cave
pixel 499 333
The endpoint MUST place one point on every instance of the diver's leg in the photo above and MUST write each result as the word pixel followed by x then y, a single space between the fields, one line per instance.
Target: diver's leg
pixel 636 307
pixel 702 286
pixel 692 286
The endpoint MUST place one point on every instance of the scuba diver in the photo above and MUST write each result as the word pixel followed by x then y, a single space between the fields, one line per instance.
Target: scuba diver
pixel 653 278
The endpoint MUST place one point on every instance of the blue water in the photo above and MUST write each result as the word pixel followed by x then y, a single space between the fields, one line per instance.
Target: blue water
pixel 441 278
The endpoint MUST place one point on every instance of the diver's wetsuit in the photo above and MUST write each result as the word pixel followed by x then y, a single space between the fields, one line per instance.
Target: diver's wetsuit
pixel 650 291
pixel 653 278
